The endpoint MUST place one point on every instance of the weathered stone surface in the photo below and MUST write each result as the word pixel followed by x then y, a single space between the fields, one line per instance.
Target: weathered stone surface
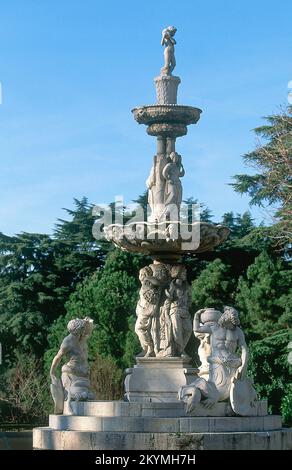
pixel 153 239
pixel 46 438
pixel 163 323
pixel 169 42
pixel 148 409
pixel 167 113
pixel 166 89
pixel 156 379
pixel 151 424
pixel 222 373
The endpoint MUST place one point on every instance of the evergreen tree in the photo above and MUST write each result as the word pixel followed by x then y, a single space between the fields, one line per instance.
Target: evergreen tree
pixel 272 184
pixel 110 298
pixel 271 371
pixel 239 225
pixel 214 287
pixel 37 274
pixel 204 214
pixel 264 296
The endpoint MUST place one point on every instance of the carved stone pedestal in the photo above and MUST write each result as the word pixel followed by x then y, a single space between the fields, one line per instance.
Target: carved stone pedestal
pixel 117 425
pixel 155 379
pixel 166 89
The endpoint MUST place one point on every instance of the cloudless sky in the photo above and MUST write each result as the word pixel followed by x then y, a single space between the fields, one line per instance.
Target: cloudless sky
pixel 71 71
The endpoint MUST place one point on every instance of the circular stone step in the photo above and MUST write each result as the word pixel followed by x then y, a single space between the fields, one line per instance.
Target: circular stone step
pixel 143 409
pixel 46 438
pixel 175 425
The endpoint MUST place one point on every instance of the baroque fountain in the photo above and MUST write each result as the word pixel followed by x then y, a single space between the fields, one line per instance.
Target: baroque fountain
pixel 168 404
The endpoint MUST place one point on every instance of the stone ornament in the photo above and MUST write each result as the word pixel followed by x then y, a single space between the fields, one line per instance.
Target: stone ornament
pixel 166 119
pixel 74 383
pixel 222 374
pixel 163 321
pixel 166 241
pixel 164 187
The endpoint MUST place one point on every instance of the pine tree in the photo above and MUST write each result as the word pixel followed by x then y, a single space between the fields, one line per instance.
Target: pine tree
pixel 213 287
pixel 109 297
pixel 264 296
pixel 272 185
pixel 38 273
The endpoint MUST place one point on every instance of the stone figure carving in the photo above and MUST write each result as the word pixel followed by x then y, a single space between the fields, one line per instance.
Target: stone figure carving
pixel 147 306
pixel 223 375
pixel 169 42
pixel 165 188
pixel 176 316
pixel 163 320
pixel 74 383
pixel 156 188
pixel 172 172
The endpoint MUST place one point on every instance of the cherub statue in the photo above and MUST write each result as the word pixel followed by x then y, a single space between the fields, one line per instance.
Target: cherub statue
pixel 169 42
pixel 74 383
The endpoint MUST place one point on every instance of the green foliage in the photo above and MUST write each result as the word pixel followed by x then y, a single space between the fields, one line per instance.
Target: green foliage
pixel 286 406
pixel 37 275
pixel 240 225
pixel 24 395
pixel 270 370
pixel 213 287
pixel 132 344
pixel 47 280
pixel 109 297
pixel 107 379
pixel 205 213
pixel 272 184
pixel 264 296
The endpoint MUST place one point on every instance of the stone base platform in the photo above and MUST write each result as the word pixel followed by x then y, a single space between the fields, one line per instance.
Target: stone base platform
pixel 121 425
pixel 156 379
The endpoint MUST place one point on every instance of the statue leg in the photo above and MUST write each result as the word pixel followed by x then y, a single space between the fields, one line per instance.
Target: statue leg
pixel 177 333
pixel 142 329
pixel 173 61
pixel 167 59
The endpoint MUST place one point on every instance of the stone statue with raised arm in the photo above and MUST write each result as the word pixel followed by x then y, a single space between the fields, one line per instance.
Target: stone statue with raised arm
pixel 74 383
pixel 226 374
pixel 169 42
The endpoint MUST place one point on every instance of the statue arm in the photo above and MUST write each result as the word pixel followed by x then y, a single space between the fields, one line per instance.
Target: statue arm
pixel 57 359
pixel 197 327
pixel 165 171
pixel 182 171
pixel 171 292
pixel 241 372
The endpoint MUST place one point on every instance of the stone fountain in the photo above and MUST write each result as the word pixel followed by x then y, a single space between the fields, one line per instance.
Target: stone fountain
pixel 168 404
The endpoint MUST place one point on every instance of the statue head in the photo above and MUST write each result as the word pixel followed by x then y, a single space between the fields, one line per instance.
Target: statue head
pixel 175 158
pixel 229 318
pixel 160 272
pixel 179 272
pixel 80 326
pixel 169 31
pixel 144 273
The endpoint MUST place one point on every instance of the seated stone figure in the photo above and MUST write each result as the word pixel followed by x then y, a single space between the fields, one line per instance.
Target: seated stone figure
pixel 74 383
pixel 224 373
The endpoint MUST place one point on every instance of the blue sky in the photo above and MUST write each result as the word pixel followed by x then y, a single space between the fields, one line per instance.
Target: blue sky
pixel 71 71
